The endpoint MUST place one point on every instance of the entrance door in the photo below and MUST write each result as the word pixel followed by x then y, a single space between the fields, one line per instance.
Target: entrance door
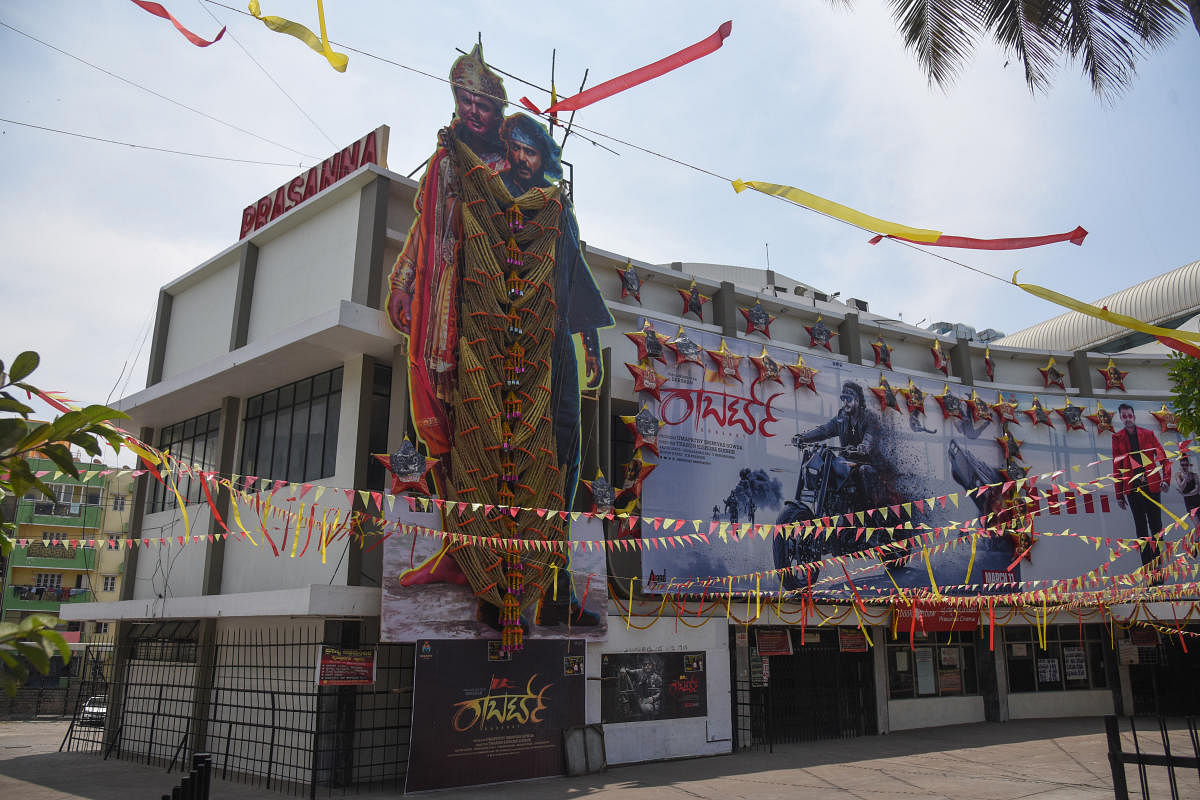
pixel 820 693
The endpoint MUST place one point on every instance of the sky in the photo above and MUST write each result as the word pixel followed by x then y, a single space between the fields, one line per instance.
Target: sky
pixel 802 93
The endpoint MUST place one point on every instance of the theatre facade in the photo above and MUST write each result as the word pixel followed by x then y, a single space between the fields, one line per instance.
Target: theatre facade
pixel 796 519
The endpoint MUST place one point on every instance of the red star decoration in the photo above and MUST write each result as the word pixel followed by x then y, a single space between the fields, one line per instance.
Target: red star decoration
pixel 1114 378
pixel 603 494
pixel 978 408
pixel 693 301
pixel 820 334
pixel 646 379
pixel 413 482
pixel 650 344
pixel 635 475
pixel 883 353
pixel 802 375
pixel 988 366
pixel 1038 414
pixel 1010 445
pixel 768 369
pixel 1051 375
pixel 914 398
pixel 939 358
pixel 1166 419
pixel 1102 419
pixel 1007 412
pixel 1012 470
pixel 1072 416
pixel 757 319
pixel 631 282
pixel 644 426
pixel 726 363
pixel 952 405
pixel 886 395
pixel 685 349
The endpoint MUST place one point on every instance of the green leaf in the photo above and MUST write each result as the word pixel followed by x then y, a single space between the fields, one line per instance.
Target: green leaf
pixel 53 637
pixel 61 456
pixel 12 430
pixel 37 657
pixel 24 364
pixel 85 441
pixel 13 405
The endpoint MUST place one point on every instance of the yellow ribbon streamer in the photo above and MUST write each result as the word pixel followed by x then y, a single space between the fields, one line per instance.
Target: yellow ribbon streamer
pixel 280 25
pixel 971 563
pixel 839 211
pixel 1121 320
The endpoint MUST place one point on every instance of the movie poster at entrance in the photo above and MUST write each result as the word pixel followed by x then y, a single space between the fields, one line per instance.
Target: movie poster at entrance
pixel 480 716
pixel 750 436
pixel 637 687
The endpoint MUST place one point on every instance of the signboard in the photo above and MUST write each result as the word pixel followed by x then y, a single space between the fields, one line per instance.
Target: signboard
pixel 370 149
pixel 345 666
pixel 851 640
pixel 936 621
pixel 484 721
pixel 1075 663
pixel 1144 637
pixel 1048 670
pixel 773 641
pixel 752 441
pixel 924 659
pixel 637 687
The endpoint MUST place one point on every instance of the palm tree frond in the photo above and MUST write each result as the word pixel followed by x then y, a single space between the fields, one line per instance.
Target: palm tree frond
pixel 1029 30
pixel 940 32
pixel 1110 37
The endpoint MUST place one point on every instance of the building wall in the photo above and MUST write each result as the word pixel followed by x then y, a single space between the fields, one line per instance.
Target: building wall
pixel 1039 705
pixel 200 319
pixel 929 712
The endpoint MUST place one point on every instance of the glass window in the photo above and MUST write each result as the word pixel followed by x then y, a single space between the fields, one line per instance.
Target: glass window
pixel 290 432
pixel 110 583
pixel 118 502
pixel 48 580
pixel 1070 657
pixel 937 664
pixel 193 442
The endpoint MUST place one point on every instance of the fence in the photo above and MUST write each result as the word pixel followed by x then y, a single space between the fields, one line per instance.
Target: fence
pixel 1169 734
pixel 250 699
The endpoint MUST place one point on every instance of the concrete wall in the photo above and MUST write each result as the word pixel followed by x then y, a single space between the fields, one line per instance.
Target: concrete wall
pixel 201 316
pixel 171 569
pixel 631 742
pixel 929 712
pixel 1039 705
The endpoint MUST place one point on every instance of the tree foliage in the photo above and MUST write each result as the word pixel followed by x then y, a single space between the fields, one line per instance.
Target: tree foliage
pixel 33 641
pixel 1184 372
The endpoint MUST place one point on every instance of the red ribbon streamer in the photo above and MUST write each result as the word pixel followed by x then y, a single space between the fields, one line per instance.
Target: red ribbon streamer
pixel 158 11
pixel 649 72
pixel 1075 237
pixel 1183 347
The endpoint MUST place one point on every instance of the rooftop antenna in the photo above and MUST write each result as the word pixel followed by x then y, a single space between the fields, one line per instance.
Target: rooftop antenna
pixel 767 248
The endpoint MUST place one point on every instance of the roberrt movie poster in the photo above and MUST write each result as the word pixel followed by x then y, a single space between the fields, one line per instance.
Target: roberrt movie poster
pixel 486 717
pixel 638 687
pixel 748 437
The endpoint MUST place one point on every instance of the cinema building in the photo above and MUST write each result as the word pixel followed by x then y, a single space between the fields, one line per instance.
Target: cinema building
pixel 267 636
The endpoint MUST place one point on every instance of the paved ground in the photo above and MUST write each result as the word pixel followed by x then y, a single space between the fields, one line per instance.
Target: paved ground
pixel 1030 760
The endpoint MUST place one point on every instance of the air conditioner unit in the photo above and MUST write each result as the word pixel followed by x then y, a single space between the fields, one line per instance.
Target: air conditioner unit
pixel 861 305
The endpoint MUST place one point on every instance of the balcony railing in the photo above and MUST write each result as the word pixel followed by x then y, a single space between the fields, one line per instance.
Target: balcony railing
pixel 42 598
pixel 53 557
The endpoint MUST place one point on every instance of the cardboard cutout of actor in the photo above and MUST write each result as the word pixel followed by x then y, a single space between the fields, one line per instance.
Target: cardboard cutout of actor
pixel 491 290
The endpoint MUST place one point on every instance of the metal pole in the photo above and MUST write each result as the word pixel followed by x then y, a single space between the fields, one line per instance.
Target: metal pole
pixel 1120 788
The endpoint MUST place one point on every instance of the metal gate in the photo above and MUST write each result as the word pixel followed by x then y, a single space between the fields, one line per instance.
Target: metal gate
pixel 820 693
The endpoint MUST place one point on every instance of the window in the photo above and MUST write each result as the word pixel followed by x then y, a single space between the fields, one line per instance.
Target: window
pixel 48 580
pixel 194 442
pixel 101 627
pixel 118 502
pixel 91 497
pixel 110 583
pixel 290 433
pixel 938 664
pixel 114 544
pixel 1073 658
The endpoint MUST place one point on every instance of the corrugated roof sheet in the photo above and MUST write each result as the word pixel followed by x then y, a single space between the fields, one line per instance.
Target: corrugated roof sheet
pixel 1159 299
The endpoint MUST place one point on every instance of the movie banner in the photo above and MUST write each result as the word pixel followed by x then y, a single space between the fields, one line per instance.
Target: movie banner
pixel 484 717
pixel 422 603
pixel 638 687
pixel 750 436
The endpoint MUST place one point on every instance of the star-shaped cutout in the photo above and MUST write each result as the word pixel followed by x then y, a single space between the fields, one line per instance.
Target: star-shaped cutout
pixel 978 408
pixel 768 369
pixel 646 379
pixel 1051 376
pixel 940 362
pixel 1013 470
pixel 726 363
pixel 604 496
pixel 1114 378
pixel 802 374
pixel 988 365
pixel 1010 445
pixel 1038 414
pixel 757 319
pixel 644 426
pixel 952 405
pixel 1166 419
pixel 883 353
pixel 685 349
pixel 693 301
pixel 1006 411
pixel 886 395
pixel 1102 418
pixel 650 344
pixel 1072 416
pixel 820 334
pixel 914 398
pixel 636 472
pixel 408 468
pixel 631 282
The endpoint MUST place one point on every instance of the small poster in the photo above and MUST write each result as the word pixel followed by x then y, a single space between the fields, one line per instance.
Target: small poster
pixel 1144 637
pixel 901 661
pixel 1075 663
pixel 950 681
pixel 773 641
pixel 924 659
pixel 851 640
pixel 1020 650
pixel 636 687
pixel 1048 670
pixel 345 666
pixel 948 656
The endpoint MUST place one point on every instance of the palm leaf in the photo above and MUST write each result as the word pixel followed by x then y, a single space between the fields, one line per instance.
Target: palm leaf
pixel 941 33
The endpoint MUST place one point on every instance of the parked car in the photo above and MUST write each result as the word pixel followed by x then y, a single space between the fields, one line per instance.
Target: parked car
pixel 94 711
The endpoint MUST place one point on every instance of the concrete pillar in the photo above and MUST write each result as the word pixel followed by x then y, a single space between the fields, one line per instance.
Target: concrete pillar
pixel 850 340
pixel 158 343
pixel 960 361
pixel 1081 374
pixel 1002 675
pixel 243 299
pixel 880 652
pixel 367 286
pixel 725 309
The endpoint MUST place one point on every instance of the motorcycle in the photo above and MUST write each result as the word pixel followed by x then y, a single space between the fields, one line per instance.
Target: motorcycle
pixel 831 482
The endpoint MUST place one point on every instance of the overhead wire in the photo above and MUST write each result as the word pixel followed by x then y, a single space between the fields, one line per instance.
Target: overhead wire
pixel 159 95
